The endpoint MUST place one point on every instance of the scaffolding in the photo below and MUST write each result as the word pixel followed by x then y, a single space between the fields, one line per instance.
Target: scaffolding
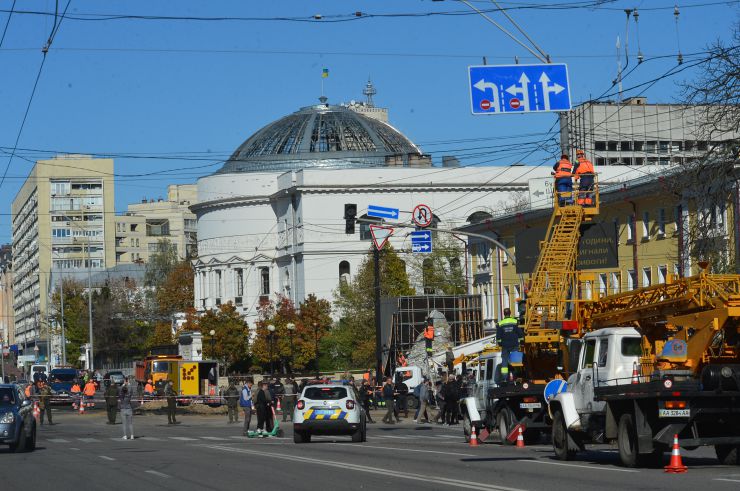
pixel 408 318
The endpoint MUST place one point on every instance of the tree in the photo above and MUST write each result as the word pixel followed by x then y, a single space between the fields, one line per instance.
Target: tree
pixel 440 272
pixel 356 305
pixel 176 292
pixel 161 263
pixel 231 336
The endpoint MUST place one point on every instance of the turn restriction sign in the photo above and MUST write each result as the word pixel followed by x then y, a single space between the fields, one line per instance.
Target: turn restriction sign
pixel 422 216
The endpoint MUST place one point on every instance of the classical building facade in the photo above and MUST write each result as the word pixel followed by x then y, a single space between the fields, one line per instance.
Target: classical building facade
pixel 63 224
pixel 140 230
pixel 270 222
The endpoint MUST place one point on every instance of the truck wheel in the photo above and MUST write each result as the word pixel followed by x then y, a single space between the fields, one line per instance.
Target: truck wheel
pixel 728 454
pixel 560 442
pixel 412 402
pixel 503 423
pixel 629 451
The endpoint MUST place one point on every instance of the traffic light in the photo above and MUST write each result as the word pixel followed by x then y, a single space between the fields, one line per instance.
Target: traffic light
pixel 350 214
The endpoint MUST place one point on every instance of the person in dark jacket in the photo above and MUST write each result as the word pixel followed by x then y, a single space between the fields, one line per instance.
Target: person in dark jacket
pixel 232 402
pixel 263 405
pixel 402 392
pixel 452 395
pixel 111 402
pixel 171 396
pixel 127 411
pixel 388 395
pixel 366 393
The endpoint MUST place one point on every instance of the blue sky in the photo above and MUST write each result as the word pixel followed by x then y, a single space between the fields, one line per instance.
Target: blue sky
pixel 189 92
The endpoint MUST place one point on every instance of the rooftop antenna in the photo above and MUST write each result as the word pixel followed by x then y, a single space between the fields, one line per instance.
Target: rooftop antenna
pixel 676 13
pixel 640 56
pixel 369 91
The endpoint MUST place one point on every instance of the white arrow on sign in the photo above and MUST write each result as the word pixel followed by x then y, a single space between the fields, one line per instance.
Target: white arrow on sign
pixel 548 89
pixel 482 85
pixel 522 89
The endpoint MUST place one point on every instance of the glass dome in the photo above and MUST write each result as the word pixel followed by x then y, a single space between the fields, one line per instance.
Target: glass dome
pixel 320 136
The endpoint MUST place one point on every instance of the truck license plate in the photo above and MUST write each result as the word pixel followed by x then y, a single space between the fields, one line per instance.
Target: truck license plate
pixel 530 405
pixel 674 413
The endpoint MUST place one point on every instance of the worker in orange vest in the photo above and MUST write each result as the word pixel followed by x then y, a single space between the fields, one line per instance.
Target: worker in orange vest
pixel 585 176
pixel 563 172
pixel 149 388
pixel 89 392
pixel 429 335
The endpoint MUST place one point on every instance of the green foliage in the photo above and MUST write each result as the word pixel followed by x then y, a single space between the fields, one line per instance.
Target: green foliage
pixel 440 272
pixel 356 305
pixel 161 263
pixel 231 338
pixel 175 292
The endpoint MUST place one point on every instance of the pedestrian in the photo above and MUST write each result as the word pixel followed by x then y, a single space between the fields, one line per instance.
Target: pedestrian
pixel 440 419
pixel 263 405
pixel 75 391
pixel 149 388
pixel 89 393
pixel 366 392
pixel 450 359
pixel 402 393
pixel 563 172
pixel 171 396
pixel 388 393
pixel 277 391
pixel 289 397
pixel 45 402
pixel 421 411
pixel 111 402
pixel 127 411
pixel 451 392
pixel 232 402
pixel 508 336
pixel 584 171
pixel 246 403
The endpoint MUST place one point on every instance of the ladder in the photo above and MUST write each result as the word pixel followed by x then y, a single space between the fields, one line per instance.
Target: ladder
pixel 553 279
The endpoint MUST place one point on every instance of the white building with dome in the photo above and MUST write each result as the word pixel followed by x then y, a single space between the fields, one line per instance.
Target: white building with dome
pixel 270 222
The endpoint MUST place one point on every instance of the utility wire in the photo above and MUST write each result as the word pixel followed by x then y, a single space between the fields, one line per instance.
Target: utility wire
pixel 7 23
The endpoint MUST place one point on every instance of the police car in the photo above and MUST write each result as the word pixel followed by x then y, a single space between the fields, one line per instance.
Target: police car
pixel 328 409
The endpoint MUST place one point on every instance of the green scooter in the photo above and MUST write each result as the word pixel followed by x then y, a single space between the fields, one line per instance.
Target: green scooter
pixel 276 430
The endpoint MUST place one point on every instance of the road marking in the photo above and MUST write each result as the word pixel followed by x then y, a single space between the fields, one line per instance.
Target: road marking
pixel 73 448
pixel 105 457
pixel 422 451
pixel 727 480
pixel 157 473
pixel 57 440
pixel 215 438
pixel 150 438
pixel 576 465
pixel 370 470
pixel 238 437
pixel 89 440
pixel 182 438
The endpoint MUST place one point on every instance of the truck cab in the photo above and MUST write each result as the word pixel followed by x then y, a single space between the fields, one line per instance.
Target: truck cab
pixel 607 357
pixel 477 407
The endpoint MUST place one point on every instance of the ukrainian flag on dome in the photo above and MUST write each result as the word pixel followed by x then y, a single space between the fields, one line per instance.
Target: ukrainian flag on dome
pixel 325 73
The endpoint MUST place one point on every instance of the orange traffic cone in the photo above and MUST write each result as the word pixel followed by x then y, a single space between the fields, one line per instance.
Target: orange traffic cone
pixel 36 410
pixel 675 466
pixel 279 407
pixel 520 439
pixel 82 407
pixel 473 437
pixel 635 374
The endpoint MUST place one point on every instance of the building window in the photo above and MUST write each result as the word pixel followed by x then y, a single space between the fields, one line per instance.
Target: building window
pixel 661 222
pixel 600 161
pixel 626 160
pixel 625 146
pixel 344 272
pixel 701 146
pixel 517 293
pixel 638 146
pixel 639 161
pixel 647 277
pixel 239 280
pixel 616 230
pixel 365 227
pixel 505 299
pixel 662 274
pixel 631 279
pixel 688 145
pixel 676 270
pixel 631 228
pixel 651 146
pixel 612 146
pixel 600 146
pixel 60 188
pixel 645 225
pixel 663 146
pixel 602 284
pixel 265 281
pixel 219 284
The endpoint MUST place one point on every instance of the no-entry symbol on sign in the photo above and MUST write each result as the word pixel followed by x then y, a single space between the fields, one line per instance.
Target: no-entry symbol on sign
pixel 515 103
pixel 485 104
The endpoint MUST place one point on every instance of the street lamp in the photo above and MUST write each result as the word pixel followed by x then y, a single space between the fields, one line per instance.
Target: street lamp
pixel 316 338
pixel 271 339
pixel 291 329
pixel 213 343
pixel 36 352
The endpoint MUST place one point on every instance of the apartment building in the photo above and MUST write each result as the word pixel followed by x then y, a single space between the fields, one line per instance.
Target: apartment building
pixel 63 224
pixel 140 230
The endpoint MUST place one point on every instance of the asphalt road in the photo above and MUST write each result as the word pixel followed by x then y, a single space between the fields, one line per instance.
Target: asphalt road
pixel 204 452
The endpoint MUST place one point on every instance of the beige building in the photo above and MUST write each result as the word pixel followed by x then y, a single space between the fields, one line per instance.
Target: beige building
pixel 7 332
pixel 63 224
pixel 643 234
pixel 145 224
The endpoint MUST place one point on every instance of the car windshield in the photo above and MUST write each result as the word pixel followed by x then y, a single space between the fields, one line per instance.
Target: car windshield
pixel 7 397
pixel 65 376
pixel 160 366
pixel 325 393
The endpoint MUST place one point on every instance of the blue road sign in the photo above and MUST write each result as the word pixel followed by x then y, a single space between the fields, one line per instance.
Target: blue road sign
pixel 504 89
pixel 421 241
pixel 382 212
